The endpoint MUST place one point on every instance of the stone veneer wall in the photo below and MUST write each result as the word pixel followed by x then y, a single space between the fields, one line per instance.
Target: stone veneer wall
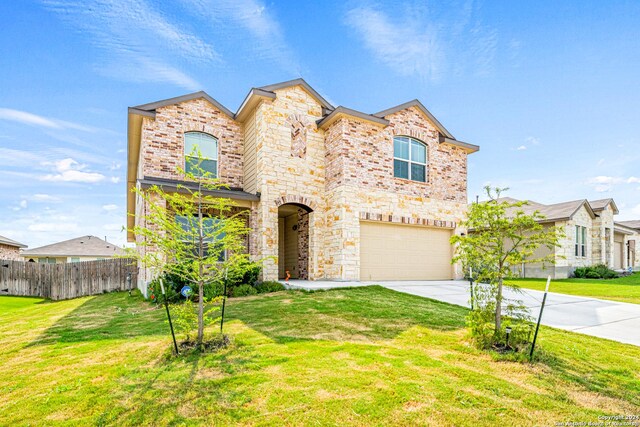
pixel 279 174
pixel 162 145
pixel 566 260
pixel 10 252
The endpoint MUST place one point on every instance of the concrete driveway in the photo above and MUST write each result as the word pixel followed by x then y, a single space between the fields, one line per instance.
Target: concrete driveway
pixel 616 321
pixel 605 319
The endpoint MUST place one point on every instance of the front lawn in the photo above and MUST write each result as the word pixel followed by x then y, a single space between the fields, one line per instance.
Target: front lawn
pixel 364 356
pixel 623 289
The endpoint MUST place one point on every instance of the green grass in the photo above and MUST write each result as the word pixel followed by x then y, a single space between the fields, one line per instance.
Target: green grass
pixel 364 356
pixel 623 289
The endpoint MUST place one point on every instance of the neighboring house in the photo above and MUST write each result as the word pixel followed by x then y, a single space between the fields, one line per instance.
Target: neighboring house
pixel 591 237
pixel 626 244
pixel 10 249
pixel 333 193
pixel 85 248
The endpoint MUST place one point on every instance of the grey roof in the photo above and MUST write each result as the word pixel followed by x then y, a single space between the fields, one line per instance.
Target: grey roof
pixel 185 186
pixel 10 242
pixel 298 82
pixel 354 113
pixel 554 212
pixel 635 224
pixel 80 246
pixel 601 204
pixel 152 106
pixel 417 104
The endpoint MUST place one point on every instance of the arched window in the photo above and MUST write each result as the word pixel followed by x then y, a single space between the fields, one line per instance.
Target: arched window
pixel 409 159
pixel 207 147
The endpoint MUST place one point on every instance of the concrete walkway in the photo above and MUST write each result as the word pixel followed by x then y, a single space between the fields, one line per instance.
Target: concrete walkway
pixel 600 318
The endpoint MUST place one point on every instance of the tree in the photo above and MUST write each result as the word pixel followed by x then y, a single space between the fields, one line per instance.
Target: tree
pixel 501 237
pixel 192 233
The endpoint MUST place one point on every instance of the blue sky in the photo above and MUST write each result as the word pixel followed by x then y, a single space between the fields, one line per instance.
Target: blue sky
pixel 549 90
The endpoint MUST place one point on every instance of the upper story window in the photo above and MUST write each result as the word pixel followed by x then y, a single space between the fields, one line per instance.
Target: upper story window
pixel 207 146
pixel 581 241
pixel 409 159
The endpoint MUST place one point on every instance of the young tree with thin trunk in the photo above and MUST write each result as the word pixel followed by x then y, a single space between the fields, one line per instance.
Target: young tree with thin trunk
pixel 501 237
pixel 192 233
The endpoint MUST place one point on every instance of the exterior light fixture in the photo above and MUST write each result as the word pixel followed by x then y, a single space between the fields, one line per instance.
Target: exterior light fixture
pixel 508 331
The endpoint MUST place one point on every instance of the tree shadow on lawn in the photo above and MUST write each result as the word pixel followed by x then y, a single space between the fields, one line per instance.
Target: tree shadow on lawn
pixel 106 317
pixel 359 314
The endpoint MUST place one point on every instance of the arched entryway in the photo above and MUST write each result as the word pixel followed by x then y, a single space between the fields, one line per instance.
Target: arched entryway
pixel 293 240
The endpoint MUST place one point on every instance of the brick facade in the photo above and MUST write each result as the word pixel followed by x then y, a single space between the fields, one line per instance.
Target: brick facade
pixel 162 151
pixel 10 252
pixel 342 173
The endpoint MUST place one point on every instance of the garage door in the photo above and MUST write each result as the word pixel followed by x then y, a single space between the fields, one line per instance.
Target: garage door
pixel 401 252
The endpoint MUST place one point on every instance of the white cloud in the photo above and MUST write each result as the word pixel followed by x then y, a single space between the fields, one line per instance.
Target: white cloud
pixel 113 227
pixel 407 47
pixel 633 180
pixel 44 198
pixel 30 119
pixel 418 44
pixel 69 170
pixel 636 210
pixel 115 166
pixel 262 32
pixel 521 148
pixel 110 207
pixel 137 39
pixel 23 204
pixel 53 226
pixel 115 179
pixel 603 183
pixel 532 140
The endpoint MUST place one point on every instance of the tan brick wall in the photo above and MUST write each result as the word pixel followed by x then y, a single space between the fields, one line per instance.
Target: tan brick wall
pixel 10 252
pixel 162 145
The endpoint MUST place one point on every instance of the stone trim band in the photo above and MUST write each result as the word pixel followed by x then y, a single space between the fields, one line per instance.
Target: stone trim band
pixel 397 219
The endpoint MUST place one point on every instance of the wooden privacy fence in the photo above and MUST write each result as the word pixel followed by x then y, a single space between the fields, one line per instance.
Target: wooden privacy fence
pixel 70 280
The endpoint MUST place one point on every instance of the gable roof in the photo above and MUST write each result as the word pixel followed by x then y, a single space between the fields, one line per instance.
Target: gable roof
pixel 555 212
pixel 10 242
pixel 445 136
pixel 153 106
pixel 344 111
pixel 601 204
pixel 305 86
pixel 419 106
pixel 80 246
pixel 635 224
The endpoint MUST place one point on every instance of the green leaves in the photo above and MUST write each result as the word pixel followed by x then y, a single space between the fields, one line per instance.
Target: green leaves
pixel 500 237
pixel 192 233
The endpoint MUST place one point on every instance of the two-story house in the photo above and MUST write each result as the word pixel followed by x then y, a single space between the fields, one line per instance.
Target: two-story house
pixel 333 193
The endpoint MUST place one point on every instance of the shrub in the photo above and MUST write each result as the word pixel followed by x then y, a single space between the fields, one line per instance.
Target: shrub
pixel 592 274
pixel 269 286
pixel 580 272
pixel 244 290
pixel 243 273
pixel 599 271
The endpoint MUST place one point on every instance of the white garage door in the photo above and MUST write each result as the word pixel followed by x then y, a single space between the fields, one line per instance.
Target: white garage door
pixel 403 252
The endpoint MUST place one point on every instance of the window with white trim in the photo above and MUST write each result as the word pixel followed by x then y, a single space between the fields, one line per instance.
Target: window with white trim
pixel 207 147
pixel 409 159
pixel 581 241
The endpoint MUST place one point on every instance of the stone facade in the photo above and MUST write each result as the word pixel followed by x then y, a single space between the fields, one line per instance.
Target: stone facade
pixel 10 252
pixel 340 174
